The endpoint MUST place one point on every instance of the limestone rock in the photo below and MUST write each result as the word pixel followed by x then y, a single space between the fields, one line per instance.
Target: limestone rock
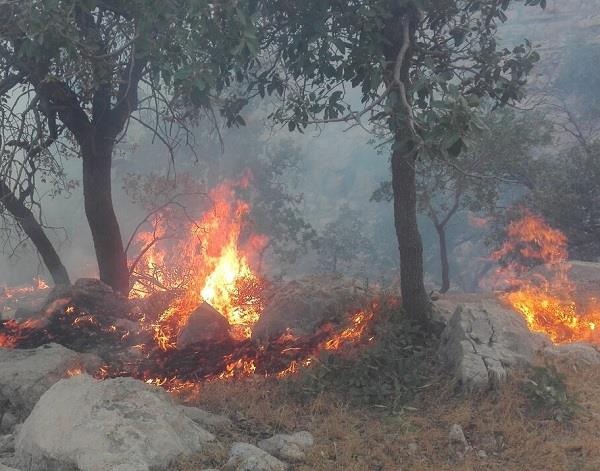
pixel 204 324
pixel 288 447
pixel 28 373
pixel 118 424
pixel 246 457
pixel 206 419
pixel 305 304
pixel 483 340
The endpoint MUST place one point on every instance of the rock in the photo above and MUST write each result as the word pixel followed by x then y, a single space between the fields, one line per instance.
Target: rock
pixel 456 436
pixel 576 353
pixel 483 341
pixel 482 454
pixel 24 302
pixel 204 324
pixel 117 424
pixel 246 457
pixel 7 468
pixel 303 305
pixel 27 374
pixel 9 420
pixel 207 419
pixel 7 443
pixel 413 448
pixel 287 447
pixel 92 296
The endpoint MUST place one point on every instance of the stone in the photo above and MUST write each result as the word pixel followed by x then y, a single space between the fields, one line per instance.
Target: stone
pixel 246 457
pixel 483 340
pixel 575 353
pixel 204 324
pixel 482 454
pixel 456 436
pixel 206 419
pixel 92 296
pixel 8 422
pixel 302 306
pixel 7 468
pixel 289 447
pixel 26 374
pixel 120 424
pixel 7 443
pixel 413 448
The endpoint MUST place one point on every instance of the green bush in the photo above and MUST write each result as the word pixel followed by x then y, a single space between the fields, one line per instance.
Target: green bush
pixel 547 393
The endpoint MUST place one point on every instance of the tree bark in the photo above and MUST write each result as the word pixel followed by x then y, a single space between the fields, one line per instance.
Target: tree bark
pixel 99 210
pixel 36 234
pixel 414 297
pixel 441 230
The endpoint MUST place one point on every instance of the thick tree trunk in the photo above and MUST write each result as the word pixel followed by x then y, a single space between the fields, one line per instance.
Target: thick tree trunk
pixel 99 210
pixel 441 230
pixel 36 234
pixel 414 297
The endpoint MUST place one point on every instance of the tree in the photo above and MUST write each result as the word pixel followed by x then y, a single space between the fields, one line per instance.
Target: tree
pixel 417 67
pixel 97 64
pixel 26 142
pixel 342 241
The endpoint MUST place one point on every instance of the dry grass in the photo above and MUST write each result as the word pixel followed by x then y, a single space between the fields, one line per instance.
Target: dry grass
pixel 349 438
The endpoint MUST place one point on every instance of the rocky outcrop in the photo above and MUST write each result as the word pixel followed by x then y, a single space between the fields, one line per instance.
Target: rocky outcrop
pixel 27 374
pixel 246 457
pixel 483 340
pixel 208 420
pixel 117 424
pixel 305 304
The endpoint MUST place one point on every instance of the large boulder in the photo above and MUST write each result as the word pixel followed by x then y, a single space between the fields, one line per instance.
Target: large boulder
pixel 483 340
pixel 204 324
pixel 81 424
pixel 305 304
pixel 27 374
pixel 246 457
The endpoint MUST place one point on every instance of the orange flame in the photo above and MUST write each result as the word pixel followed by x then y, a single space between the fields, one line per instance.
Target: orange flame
pixel 546 299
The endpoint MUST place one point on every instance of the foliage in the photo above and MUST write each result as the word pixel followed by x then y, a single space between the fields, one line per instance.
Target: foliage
pixel 547 393
pixel 384 374
pixel 575 209
pixel 343 241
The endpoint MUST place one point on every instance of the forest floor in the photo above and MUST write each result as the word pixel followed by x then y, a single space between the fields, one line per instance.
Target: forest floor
pixel 540 427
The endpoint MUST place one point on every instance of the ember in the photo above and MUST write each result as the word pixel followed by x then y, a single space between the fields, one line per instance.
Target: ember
pixel 213 263
pixel 546 299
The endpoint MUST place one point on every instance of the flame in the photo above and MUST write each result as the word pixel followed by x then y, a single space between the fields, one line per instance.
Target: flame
pixel 546 299
pixel 209 259
pixel 211 263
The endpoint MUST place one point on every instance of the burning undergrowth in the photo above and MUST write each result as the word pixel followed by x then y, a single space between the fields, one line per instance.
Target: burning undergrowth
pixel 536 282
pixel 194 303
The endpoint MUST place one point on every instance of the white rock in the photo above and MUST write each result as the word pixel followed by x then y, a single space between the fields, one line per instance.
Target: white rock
pixel 287 447
pixel 246 457
pixel 413 448
pixel 483 341
pixel 456 436
pixel 576 353
pixel 28 373
pixel 118 424
pixel 206 419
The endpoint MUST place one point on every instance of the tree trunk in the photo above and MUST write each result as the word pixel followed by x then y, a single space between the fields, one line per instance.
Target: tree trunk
pixel 414 297
pixel 99 210
pixel 36 234
pixel 441 230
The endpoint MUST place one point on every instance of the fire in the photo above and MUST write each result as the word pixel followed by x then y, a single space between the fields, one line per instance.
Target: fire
pixel 211 263
pixel 210 259
pixel 546 299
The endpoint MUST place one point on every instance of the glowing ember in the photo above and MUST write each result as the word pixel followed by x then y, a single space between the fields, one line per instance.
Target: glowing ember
pixel 545 299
